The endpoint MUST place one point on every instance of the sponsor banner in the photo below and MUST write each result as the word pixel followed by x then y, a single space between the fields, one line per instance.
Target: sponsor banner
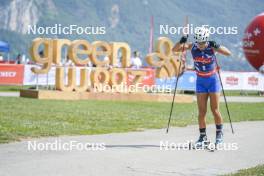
pixel 243 81
pixel 41 79
pixel 253 81
pixel 149 78
pixel 231 81
pixel 11 74
pixel 49 79
pixel 187 81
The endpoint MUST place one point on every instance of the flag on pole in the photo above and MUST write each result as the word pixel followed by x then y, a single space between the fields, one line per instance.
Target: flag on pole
pixel 185 33
pixel 151 34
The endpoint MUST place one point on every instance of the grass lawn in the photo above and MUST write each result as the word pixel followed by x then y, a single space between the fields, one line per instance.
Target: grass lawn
pixel 12 88
pixel 242 93
pixel 254 171
pixel 24 117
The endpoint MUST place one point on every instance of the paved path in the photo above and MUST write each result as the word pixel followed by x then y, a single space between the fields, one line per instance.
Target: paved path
pixel 9 94
pixel 137 154
pixel 241 99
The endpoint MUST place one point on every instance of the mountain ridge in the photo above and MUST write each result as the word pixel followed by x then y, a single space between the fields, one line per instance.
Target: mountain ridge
pixel 128 21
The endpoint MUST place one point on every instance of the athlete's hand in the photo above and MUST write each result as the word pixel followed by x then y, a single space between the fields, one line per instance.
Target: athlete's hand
pixel 183 39
pixel 214 44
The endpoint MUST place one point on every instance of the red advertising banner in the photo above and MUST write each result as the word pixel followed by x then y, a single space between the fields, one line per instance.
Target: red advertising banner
pixel 149 78
pixel 11 74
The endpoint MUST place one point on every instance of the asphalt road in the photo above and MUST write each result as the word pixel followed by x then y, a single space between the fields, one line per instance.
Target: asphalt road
pixel 9 94
pixel 135 153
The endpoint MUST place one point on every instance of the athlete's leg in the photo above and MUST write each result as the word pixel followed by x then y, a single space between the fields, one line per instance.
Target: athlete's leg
pixel 214 104
pixel 202 99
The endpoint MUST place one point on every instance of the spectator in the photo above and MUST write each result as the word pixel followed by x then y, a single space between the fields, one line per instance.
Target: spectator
pixel 119 60
pixel 90 64
pixel 261 70
pixel 41 54
pixel 68 61
pixel 18 59
pixel 136 60
pixel 106 59
pixel 1 57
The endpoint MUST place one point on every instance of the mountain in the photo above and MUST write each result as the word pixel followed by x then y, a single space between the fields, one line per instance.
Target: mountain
pixel 128 21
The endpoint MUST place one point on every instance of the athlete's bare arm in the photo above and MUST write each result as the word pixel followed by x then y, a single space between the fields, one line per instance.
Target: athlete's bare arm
pixel 223 50
pixel 178 47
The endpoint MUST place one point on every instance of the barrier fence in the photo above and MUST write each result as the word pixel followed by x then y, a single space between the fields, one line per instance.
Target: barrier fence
pixel 15 74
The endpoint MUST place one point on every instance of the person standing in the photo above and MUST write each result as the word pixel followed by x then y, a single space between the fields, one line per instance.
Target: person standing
pixel 136 61
pixel 207 83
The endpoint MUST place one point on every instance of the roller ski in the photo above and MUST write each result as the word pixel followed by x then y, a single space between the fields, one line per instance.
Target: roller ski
pixel 218 139
pixel 202 144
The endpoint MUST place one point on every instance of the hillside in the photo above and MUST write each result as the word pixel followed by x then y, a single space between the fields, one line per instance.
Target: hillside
pixel 127 20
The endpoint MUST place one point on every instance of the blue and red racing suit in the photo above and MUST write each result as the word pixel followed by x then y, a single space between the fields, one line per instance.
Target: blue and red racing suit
pixel 206 69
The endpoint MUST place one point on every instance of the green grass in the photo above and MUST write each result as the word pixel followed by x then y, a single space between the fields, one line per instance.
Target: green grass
pixel 254 171
pixel 241 93
pixel 24 117
pixel 12 88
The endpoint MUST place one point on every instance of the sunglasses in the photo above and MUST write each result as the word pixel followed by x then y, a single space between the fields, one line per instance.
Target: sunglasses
pixel 201 43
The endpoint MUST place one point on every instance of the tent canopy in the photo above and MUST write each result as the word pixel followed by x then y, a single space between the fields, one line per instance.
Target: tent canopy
pixel 4 47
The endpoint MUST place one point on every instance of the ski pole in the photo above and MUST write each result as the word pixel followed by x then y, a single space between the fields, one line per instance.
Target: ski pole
pixel 227 109
pixel 174 93
pixel 176 84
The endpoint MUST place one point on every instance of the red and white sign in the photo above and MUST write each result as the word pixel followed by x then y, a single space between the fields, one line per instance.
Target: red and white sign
pixel 253 81
pixel 231 80
pixel 242 80
pixel 149 78
pixel 11 74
